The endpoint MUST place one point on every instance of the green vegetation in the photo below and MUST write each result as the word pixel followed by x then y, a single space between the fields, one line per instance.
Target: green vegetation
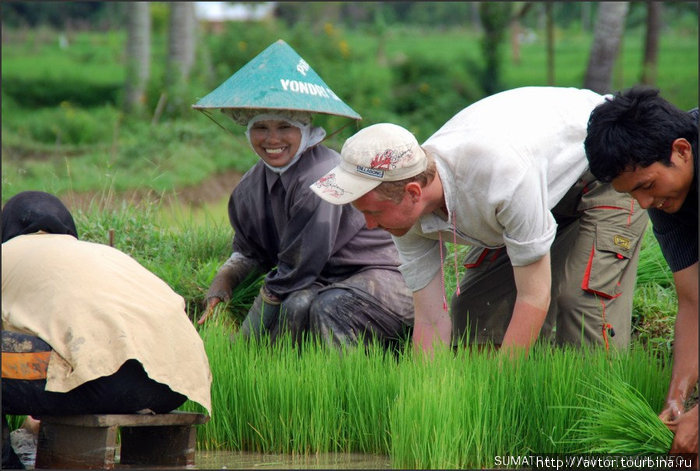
pixel 63 131
pixel 459 410
pixel 618 419
pixel 286 399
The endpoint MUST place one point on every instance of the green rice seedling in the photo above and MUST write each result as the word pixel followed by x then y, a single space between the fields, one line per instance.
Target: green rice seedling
pixel 457 410
pixel 278 399
pixel 652 266
pixel 619 420
pixel 427 405
pixel 368 387
pixel 468 410
pixel 15 421
pixel 647 371
pixel 544 383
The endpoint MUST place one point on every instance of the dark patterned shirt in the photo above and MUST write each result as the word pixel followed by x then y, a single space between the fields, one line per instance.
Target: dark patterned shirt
pixel 677 233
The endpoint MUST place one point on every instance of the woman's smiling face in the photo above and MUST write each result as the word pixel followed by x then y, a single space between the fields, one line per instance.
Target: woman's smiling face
pixel 275 141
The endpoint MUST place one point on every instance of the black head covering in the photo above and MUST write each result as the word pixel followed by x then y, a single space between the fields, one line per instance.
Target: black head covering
pixel 32 211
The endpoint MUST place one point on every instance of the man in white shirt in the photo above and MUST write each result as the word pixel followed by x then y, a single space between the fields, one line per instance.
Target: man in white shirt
pixel 508 172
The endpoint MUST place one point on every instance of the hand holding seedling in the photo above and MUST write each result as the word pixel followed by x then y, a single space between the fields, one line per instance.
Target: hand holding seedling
pixel 211 304
pixel 672 411
pixel 230 275
pixel 685 428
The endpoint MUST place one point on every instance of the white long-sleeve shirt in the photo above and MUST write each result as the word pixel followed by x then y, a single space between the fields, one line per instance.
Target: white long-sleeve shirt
pixel 504 163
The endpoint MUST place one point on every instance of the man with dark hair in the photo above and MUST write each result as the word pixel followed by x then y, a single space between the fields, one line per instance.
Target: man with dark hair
pixel 648 148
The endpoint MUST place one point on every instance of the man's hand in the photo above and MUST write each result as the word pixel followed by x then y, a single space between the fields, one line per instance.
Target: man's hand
pixel 685 428
pixel 534 284
pixel 672 411
pixel 432 323
pixel 684 374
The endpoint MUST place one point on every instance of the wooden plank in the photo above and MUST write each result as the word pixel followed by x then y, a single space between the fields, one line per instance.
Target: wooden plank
pixel 70 447
pixel 158 446
pixel 90 441
pixel 127 420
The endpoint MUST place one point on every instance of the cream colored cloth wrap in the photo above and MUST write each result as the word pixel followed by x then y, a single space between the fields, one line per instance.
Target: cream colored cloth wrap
pixel 97 307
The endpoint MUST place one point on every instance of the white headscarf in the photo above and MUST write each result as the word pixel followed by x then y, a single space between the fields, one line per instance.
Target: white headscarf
pixel 310 135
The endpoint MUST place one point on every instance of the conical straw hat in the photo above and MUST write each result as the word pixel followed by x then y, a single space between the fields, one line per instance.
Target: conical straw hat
pixel 277 78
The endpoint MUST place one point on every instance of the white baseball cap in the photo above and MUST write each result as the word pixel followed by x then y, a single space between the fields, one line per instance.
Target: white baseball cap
pixel 379 153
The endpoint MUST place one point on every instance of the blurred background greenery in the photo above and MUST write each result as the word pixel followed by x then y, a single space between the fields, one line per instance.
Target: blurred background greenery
pixel 68 124
pixel 96 102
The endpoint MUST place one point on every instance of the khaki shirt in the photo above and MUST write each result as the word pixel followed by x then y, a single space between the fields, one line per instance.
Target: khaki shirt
pixel 97 308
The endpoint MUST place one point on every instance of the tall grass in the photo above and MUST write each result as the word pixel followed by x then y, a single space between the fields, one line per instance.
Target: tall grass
pixel 460 409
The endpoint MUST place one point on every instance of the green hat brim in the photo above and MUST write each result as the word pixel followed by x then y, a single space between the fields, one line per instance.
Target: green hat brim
pixel 277 79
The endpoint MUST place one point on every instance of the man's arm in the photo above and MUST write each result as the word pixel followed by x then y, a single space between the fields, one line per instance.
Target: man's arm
pixel 685 344
pixel 431 322
pixel 534 284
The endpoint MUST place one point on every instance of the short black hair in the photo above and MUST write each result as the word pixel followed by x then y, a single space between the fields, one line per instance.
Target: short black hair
pixel 635 128
pixel 32 211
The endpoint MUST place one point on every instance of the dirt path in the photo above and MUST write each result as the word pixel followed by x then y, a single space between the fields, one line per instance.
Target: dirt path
pixel 209 191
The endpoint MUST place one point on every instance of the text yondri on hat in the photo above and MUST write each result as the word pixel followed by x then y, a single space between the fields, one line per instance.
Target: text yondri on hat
pixel 276 79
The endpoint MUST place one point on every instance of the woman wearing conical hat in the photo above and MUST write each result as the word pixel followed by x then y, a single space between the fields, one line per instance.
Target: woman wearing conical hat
pixel 327 274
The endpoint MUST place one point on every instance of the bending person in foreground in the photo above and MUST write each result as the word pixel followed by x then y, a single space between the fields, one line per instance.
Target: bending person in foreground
pixel 648 148
pixel 507 176
pixel 85 328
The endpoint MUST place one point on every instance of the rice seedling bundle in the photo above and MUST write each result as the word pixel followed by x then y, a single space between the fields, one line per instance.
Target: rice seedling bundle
pixel 618 419
pixel 457 410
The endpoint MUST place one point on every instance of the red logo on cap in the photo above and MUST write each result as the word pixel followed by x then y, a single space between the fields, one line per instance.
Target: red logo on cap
pixel 386 160
pixel 328 185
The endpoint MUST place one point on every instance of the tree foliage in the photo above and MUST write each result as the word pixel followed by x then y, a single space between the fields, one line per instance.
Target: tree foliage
pixel 495 18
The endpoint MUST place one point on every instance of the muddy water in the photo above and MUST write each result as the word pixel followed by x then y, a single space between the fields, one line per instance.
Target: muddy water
pixel 247 460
